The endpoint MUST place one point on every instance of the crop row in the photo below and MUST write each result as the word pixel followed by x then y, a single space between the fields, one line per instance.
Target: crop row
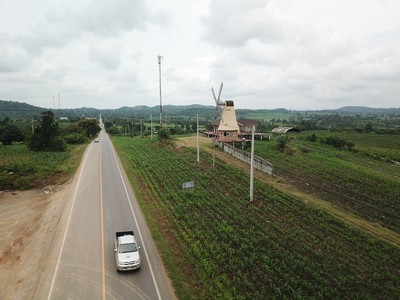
pixel 275 247
pixel 344 178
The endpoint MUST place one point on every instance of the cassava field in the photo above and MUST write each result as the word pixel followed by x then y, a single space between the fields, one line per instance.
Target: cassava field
pixel 217 245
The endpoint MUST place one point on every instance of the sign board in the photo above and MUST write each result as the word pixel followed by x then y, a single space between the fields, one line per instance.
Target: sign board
pixel 188 185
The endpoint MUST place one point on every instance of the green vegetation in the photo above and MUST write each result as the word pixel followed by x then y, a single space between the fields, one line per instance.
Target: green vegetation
pixel 220 246
pixel 10 133
pixel 363 179
pixel 181 119
pixel 45 158
pixel 21 169
pixel 47 135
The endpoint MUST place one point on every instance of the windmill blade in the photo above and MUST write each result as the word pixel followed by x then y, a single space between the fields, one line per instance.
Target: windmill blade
pixel 220 90
pixel 212 90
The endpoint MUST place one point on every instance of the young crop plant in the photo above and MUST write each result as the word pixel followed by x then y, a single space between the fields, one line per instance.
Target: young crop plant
pixel 274 247
pixel 352 180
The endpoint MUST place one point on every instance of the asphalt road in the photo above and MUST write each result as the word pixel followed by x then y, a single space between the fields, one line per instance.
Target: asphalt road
pixel 82 263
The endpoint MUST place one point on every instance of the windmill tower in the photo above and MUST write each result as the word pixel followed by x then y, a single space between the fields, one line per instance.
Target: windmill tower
pixel 228 129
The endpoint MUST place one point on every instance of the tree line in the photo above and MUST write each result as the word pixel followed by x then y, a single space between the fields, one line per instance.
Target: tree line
pixel 46 134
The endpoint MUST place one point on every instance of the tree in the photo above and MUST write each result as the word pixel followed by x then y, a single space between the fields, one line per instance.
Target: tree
pixel 163 135
pixel 10 133
pixel 5 121
pixel 47 135
pixel 113 130
pixel 91 126
pixel 369 127
pixel 282 141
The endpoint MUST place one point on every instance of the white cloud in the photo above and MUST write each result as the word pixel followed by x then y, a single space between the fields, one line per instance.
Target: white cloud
pixel 107 57
pixel 12 57
pixel 269 53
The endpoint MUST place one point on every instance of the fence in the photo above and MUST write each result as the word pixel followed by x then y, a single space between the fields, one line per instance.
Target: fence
pixel 259 163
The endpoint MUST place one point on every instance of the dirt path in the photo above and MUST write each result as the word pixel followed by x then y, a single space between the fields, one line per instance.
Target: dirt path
pixel 283 186
pixel 28 222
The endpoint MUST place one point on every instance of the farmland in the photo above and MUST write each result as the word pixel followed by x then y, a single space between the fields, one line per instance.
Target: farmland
pixel 365 181
pixel 218 245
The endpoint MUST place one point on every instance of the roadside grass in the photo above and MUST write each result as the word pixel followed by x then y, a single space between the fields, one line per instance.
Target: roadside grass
pixel 223 247
pixel 22 169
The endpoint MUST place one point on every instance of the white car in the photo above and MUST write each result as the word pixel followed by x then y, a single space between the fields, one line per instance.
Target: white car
pixel 127 256
pixel 96 140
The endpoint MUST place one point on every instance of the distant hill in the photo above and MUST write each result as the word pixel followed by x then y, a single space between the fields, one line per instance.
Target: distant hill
pixel 14 109
pixel 364 109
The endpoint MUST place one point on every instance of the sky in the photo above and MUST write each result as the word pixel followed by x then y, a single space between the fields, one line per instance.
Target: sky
pixel 298 55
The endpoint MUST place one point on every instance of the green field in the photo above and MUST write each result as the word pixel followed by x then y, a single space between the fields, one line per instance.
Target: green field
pixel 217 245
pixel 366 181
pixel 22 169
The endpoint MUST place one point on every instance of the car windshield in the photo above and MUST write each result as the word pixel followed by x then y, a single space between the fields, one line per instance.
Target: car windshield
pixel 131 247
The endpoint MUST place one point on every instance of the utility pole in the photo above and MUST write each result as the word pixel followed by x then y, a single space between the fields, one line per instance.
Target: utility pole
pixel 159 57
pixel 252 165
pixel 198 148
pixel 151 126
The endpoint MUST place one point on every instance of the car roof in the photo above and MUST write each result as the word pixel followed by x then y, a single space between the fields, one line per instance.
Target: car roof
pixel 125 239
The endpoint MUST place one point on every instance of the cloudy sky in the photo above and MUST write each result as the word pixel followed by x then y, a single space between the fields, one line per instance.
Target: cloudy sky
pixel 301 55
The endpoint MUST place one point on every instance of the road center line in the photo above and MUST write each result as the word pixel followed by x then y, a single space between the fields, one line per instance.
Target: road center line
pixel 67 227
pixel 137 225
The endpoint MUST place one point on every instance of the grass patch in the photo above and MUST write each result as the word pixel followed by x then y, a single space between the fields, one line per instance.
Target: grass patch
pixel 22 169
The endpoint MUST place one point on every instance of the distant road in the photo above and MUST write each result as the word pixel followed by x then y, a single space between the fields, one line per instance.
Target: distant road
pixel 82 264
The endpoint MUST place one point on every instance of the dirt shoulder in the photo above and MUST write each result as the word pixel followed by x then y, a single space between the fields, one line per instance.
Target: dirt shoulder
pixel 285 187
pixel 28 222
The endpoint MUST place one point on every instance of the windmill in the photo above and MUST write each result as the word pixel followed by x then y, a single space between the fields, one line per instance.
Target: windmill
pixel 228 129
pixel 219 104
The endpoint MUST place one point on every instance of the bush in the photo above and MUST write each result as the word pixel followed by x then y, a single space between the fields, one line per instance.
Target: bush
pixel 10 133
pixel 311 138
pixel 163 135
pixel 75 138
pixel 282 141
pixel 337 142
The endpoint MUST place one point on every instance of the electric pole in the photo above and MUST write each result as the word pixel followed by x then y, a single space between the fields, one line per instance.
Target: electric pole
pixel 198 146
pixel 252 164
pixel 159 72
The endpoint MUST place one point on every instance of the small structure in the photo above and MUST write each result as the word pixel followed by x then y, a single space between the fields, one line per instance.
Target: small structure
pixel 212 131
pixel 284 129
pixel 188 185
pixel 246 126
